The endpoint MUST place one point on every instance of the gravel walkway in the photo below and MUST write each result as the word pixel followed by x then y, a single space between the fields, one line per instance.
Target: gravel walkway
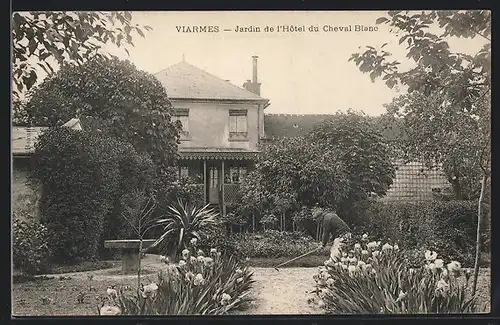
pixel 283 292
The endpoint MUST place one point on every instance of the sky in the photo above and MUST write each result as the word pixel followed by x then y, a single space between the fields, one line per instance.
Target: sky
pixel 301 72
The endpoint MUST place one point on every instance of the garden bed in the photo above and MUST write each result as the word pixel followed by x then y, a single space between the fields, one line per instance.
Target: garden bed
pixel 308 261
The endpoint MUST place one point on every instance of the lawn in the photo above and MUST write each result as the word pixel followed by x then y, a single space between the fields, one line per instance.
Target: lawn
pixel 84 266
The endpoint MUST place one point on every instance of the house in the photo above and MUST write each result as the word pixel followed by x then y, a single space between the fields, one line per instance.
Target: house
pixel 222 127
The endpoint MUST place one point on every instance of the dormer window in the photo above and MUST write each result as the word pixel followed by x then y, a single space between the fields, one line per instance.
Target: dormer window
pixel 238 125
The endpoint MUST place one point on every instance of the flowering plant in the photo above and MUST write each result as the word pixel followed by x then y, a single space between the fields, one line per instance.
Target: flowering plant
pixel 365 276
pixel 199 284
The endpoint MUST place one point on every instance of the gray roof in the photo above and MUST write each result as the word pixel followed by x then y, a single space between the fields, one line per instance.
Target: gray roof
pixel 293 125
pixel 185 81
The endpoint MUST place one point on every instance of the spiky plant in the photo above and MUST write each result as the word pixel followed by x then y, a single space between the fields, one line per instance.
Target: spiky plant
pixel 183 222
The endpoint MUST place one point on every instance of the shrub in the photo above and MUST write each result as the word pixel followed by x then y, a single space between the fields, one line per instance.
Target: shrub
pixel 446 227
pixel 273 243
pixel 30 246
pixel 137 175
pixel 79 175
pixel 87 179
pixel 186 189
pixel 369 278
pixel 199 284
pixel 220 238
pixel 304 220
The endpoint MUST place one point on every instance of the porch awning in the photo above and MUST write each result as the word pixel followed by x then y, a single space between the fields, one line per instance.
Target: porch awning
pixel 217 153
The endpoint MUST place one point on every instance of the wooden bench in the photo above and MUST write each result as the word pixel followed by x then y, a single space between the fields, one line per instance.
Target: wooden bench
pixel 130 252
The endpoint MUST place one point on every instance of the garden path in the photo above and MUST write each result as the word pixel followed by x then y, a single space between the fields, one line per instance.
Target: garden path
pixel 283 292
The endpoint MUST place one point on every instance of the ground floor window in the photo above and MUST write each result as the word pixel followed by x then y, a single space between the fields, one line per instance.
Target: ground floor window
pixel 193 169
pixel 183 171
pixel 235 174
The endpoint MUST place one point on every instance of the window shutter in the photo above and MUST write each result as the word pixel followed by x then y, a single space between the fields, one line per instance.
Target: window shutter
pixel 232 123
pixel 241 123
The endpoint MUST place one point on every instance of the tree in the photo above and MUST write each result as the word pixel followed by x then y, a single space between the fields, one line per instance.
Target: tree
pixel 64 38
pixel 292 173
pixel 447 110
pixel 352 140
pixel 113 98
pixel 342 160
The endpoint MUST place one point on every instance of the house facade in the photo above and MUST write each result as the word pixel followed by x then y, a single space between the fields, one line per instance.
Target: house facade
pixel 222 128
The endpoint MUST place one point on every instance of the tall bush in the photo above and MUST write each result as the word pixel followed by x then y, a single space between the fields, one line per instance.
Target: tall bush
pixel 342 160
pixel 187 190
pixel 79 175
pixel 351 139
pixel 137 173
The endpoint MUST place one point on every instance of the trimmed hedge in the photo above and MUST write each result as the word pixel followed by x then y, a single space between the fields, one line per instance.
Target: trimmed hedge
pixel 84 177
pixel 449 227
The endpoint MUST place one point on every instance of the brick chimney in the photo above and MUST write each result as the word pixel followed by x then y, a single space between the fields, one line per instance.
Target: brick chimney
pixel 253 86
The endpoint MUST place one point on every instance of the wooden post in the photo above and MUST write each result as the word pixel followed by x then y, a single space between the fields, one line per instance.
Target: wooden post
pixel 222 190
pixel 283 222
pixel 205 181
pixel 478 232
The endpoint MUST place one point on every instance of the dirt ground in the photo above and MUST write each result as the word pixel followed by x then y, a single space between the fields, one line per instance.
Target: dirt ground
pixel 283 292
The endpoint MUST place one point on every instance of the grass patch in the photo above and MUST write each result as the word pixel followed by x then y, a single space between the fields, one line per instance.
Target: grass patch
pixel 51 296
pixel 83 266
pixel 20 277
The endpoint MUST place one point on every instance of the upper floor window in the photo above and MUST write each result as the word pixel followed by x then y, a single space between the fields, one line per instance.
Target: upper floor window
pixel 182 115
pixel 238 124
